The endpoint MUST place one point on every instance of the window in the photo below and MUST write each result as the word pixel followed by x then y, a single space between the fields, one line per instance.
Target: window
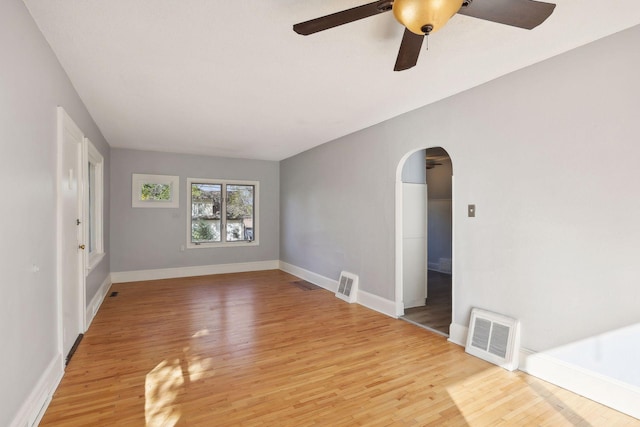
pixel 222 213
pixel 154 191
pixel 94 184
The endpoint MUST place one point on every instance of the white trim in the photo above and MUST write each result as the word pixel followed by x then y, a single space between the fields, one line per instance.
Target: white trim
pixel 91 155
pixel 602 389
pixel 399 304
pixel 377 303
pixel 458 334
pixel 199 270
pixel 223 243
pixel 34 407
pixel 309 276
pixel 96 301
pixel 453 247
pixel 65 122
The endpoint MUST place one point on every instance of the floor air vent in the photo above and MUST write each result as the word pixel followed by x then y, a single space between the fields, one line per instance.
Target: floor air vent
pixel 494 338
pixel 347 287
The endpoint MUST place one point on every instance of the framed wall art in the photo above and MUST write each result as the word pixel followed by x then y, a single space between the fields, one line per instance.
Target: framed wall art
pixel 154 191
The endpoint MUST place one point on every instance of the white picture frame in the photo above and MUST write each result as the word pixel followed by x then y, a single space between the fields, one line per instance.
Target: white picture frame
pixel 155 191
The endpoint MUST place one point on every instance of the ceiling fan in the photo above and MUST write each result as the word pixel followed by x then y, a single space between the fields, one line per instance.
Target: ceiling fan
pixel 422 17
pixel 433 161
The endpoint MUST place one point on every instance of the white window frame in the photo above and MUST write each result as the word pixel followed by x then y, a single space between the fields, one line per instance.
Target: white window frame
pixel 93 222
pixel 138 180
pixel 223 225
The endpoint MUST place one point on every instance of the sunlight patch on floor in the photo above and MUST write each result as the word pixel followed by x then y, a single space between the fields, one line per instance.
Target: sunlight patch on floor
pixel 201 333
pixel 162 386
pixel 510 404
pixel 167 382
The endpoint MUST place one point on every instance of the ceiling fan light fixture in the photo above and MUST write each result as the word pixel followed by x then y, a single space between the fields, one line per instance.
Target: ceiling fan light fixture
pixel 418 15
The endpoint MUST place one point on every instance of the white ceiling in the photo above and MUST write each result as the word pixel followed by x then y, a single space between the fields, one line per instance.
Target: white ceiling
pixel 231 78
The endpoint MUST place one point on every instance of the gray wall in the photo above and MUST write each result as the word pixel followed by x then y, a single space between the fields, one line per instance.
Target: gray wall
pixel 32 84
pixel 150 238
pixel 549 156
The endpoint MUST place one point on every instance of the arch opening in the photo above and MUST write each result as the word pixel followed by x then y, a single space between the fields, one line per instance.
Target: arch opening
pixel 424 239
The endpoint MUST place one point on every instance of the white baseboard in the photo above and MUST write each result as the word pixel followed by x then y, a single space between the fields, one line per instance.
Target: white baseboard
pixel 309 276
pixel 200 270
pixel 376 303
pixel 96 301
pixel 458 334
pixel 599 388
pixel 365 299
pixel 602 389
pixel 33 408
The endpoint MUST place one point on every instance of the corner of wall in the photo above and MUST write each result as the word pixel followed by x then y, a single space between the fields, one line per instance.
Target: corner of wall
pixel 317 279
pixel 34 407
pixel 458 334
pixel 371 301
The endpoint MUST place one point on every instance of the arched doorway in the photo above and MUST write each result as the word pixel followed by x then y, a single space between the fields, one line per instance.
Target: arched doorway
pixel 424 239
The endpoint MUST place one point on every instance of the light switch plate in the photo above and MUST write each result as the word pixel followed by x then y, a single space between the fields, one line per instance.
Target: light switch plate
pixel 471 211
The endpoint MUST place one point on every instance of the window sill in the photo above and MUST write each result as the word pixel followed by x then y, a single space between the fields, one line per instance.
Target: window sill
pixel 94 260
pixel 220 245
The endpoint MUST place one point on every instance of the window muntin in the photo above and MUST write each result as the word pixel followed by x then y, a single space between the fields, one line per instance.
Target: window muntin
pixel 222 212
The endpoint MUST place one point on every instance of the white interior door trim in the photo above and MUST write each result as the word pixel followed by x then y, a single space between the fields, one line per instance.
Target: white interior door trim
pixel 66 125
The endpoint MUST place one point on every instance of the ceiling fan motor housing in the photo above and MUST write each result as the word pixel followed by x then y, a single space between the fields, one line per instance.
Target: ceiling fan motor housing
pixel 419 15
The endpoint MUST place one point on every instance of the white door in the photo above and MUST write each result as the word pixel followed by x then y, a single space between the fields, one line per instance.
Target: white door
pixel 70 250
pixel 414 244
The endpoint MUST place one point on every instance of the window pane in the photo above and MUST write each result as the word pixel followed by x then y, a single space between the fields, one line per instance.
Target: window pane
pixel 205 212
pixel 240 201
pixel 92 207
pixel 151 191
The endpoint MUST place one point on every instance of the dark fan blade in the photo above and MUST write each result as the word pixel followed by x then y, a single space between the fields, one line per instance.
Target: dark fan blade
pixel 409 51
pixel 344 17
pixel 526 14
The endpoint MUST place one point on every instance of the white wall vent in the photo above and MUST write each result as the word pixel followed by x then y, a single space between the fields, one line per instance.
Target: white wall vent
pixel 347 287
pixel 494 338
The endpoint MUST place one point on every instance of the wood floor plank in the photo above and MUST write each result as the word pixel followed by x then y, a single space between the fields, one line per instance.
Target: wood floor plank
pixel 253 349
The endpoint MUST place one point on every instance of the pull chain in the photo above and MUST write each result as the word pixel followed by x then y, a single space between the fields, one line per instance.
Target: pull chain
pixel 426 29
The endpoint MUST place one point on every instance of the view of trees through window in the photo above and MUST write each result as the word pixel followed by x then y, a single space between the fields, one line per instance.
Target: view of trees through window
pixel 239 212
pixel 151 191
pixel 211 203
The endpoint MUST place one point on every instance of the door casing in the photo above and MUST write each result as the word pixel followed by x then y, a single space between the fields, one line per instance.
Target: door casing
pixel 70 231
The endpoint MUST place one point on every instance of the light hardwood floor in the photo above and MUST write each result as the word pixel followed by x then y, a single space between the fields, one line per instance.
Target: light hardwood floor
pixel 257 349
